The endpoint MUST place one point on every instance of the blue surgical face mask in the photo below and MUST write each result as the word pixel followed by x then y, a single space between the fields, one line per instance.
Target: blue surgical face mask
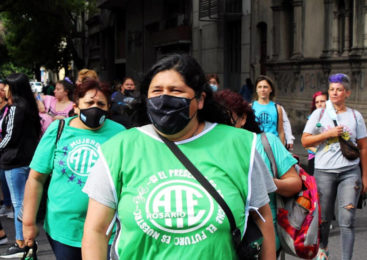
pixel 214 87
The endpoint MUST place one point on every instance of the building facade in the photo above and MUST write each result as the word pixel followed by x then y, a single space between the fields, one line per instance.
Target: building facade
pixel 299 43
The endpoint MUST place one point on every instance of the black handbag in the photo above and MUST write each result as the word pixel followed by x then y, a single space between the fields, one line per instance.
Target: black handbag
pixel 348 148
pixel 247 248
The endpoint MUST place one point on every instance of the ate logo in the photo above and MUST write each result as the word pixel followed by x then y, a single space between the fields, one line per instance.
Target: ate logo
pixel 81 158
pixel 179 206
pixel 265 119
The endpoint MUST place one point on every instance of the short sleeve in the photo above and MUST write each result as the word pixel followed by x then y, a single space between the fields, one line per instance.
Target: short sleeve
pixel 283 159
pixel 43 158
pixel 361 126
pixel 99 185
pixel 261 183
pixel 312 121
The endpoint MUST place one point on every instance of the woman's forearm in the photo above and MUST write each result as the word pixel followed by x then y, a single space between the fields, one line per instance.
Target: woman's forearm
pixel 313 140
pixel 94 245
pixel 95 240
pixel 32 197
pixel 268 250
pixel 289 184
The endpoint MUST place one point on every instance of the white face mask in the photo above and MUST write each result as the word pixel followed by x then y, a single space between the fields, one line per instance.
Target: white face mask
pixel 214 87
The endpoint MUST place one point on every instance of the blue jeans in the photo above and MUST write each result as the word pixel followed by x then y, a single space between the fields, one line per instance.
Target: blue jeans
pixel 16 179
pixel 345 187
pixel 5 189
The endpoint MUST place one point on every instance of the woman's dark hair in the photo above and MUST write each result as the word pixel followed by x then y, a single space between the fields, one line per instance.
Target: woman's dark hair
pixel 22 95
pixel 212 76
pixel 194 77
pixel 126 78
pixel 68 87
pixel 90 84
pixel 315 95
pixel 270 82
pixel 234 102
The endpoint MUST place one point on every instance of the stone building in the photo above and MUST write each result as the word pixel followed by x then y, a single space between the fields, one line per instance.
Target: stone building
pixel 297 42
pixel 300 43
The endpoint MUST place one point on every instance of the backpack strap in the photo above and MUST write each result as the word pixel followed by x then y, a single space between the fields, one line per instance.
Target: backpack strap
pixel 270 154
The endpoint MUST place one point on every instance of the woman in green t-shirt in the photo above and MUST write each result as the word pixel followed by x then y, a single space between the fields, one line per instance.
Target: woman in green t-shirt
pixel 244 117
pixel 162 212
pixel 69 159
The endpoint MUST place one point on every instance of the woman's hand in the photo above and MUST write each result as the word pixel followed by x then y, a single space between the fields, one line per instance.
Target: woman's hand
pixel 314 140
pixel 335 132
pixel 30 232
pixel 364 184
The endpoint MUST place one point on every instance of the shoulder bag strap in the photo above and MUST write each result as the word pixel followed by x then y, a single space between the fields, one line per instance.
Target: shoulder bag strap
pixel 202 180
pixel 270 154
pixel 59 130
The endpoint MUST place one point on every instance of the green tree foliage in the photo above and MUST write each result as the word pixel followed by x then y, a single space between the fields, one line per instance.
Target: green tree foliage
pixel 43 32
pixel 9 68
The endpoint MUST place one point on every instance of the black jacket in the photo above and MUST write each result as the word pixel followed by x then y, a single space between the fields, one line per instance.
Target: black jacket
pixel 20 138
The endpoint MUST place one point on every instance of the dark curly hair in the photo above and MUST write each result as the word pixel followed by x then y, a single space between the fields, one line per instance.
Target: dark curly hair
pixel 234 102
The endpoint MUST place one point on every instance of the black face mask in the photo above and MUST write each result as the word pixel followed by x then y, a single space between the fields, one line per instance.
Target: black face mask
pixel 128 92
pixel 93 117
pixel 169 114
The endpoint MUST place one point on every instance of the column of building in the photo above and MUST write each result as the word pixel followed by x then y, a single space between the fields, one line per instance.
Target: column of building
pixel 297 28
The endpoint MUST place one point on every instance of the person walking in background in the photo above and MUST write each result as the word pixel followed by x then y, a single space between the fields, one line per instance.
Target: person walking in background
pixel 6 208
pixel 268 113
pixel 179 104
pixel 247 90
pixel 85 73
pixel 213 81
pixel 318 101
pixel 69 160
pixel 21 130
pixel 338 178
pixel 122 102
pixel 243 116
pixel 58 106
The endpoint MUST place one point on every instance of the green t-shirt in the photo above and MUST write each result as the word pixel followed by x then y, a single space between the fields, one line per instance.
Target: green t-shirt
pixel 284 161
pixel 163 212
pixel 75 154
